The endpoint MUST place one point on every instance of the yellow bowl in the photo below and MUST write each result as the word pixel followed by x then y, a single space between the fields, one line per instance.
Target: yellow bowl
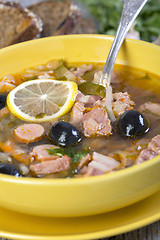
pixel 84 196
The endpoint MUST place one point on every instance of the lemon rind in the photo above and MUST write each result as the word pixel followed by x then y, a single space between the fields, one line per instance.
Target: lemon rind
pixel 72 86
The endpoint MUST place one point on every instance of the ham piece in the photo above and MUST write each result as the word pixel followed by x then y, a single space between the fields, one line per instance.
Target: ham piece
pixel 87 100
pixel 153 108
pixel 79 72
pixel 151 151
pixel 101 164
pixel 121 103
pixel 96 123
pixel 51 166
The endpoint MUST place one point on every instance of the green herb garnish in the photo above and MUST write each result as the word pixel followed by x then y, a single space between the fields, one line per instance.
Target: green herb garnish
pixel 70 152
pixel 108 13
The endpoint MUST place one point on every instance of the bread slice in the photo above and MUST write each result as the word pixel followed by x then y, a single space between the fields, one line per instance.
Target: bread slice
pixel 85 26
pixel 70 22
pixel 58 17
pixel 17 24
pixel 52 14
pixel 62 17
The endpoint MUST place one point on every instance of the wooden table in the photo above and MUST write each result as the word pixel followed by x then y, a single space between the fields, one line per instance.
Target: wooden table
pixel 150 232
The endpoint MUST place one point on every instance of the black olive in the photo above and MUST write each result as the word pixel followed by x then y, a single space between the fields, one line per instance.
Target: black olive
pixel 10 169
pixel 64 134
pixel 2 101
pixel 132 124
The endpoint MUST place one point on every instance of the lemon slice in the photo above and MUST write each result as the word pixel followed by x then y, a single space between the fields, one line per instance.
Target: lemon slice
pixel 42 100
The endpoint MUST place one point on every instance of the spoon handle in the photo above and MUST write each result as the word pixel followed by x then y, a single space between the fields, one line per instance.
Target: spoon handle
pixel 131 9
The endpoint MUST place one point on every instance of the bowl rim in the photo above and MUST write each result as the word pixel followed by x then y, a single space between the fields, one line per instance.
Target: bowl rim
pixel 72 36
pixel 82 180
pixel 89 179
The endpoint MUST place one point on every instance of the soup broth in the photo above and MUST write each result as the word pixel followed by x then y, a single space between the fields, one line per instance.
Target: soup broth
pixel 101 147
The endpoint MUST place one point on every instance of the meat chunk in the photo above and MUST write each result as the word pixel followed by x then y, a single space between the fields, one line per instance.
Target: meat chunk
pixel 80 71
pixel 28 133
pixel 101 164
pixel 52 166
pixel 84 161
pixel 77 113
pixel 82 102
pixel 153 108
pixel 121 103
pixel 87 100
pixel 6 86
pixel 93 170
pixel 39 153
pixel 108 161
pixel 154 145
pixel 145 155
pixel 151 151
pixel 96 123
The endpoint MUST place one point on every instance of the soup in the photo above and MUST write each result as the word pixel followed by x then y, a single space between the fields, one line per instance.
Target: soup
pixel 83 141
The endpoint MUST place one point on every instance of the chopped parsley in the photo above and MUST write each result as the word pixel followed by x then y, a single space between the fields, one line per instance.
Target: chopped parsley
pixel 71 152
pixel 108 13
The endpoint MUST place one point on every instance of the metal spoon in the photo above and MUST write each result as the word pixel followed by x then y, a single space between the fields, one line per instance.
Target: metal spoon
pixel 131 9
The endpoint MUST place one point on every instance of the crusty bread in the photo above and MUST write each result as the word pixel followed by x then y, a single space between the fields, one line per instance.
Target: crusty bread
pixel 52 13
pixel 17 24
pixel 62 17
pixel 84 26
pixel 68 25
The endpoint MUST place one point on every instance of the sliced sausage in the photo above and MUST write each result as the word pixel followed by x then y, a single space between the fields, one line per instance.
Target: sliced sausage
pixel 52 166
pixel 39 153
pixel 28 133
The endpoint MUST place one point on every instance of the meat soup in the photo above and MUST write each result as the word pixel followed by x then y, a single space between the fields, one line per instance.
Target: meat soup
pixel 82 141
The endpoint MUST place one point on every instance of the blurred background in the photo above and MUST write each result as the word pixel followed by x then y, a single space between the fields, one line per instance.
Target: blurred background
pixel 60 17
pixel 106 15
